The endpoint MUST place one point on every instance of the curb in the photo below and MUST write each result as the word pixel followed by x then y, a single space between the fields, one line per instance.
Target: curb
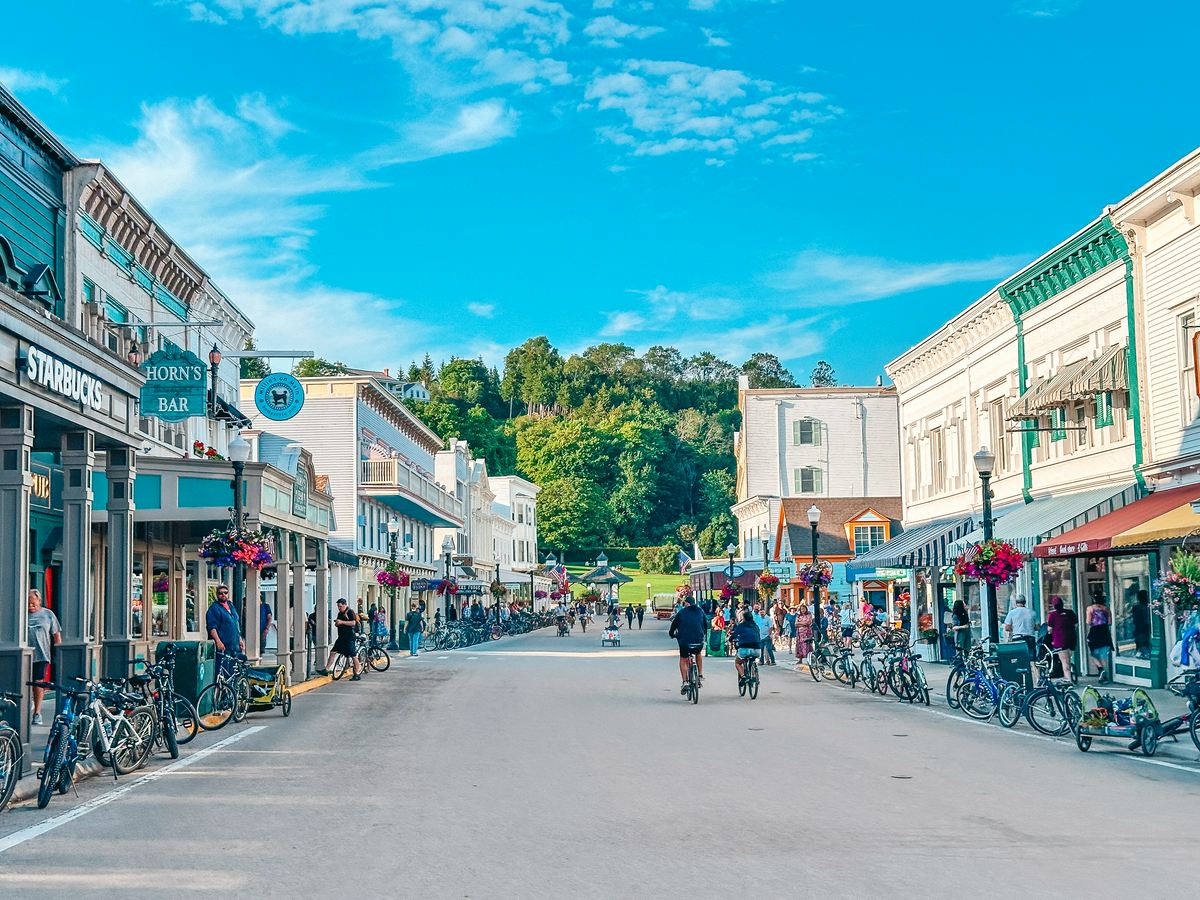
pixel 27 787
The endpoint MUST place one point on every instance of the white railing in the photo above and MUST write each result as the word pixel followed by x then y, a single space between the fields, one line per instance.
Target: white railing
pixel 392 473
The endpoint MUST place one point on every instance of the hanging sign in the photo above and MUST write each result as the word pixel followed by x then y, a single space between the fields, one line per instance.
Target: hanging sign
pixel 279 396
pixel 176 385
pixel 300 492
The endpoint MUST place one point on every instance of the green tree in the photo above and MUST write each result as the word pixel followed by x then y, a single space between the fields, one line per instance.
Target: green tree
pixel 573 514
pixel 718 491
pixel 766 371
pixel 253 367
pixel 662 560
pixel 463 379
pixel 717 535
pixel 532 375
pixel 315 367
pixel 823 375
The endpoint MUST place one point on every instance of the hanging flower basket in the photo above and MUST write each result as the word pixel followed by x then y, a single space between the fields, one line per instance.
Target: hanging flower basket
pixel 1177 593
pixel 767 583
pixel 591 595
pixel 994 562
pixel 198 448
pixel 556 595
pixel 225 548
pixel 541 595
pixel 497 589
pixel 730 591
pixel 391 575
pixel 446 586
pixel 815 575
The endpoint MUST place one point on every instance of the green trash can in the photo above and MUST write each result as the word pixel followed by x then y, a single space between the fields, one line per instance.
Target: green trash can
pixel 1012 662
pixel 195 666
pixel 716 643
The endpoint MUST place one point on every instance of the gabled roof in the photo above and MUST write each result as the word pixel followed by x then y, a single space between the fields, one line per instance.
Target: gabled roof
pixel 836 512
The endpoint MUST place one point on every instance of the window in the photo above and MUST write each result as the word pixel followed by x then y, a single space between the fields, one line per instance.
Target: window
pixel 809 480
pixel 866 537
pixel 937 458
pixel 89 291
pixel 806 431
pixel 116 312
pixel 1058 424
pixel 999 430
pixel 1189 404
pixel 1104 409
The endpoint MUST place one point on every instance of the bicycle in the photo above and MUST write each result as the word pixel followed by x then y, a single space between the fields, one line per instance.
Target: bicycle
pixel 748 683
pixel 692 685
pixel 983 693
pixel 10 750
pixel 371 654
pixel 1052 707
pixel 178 722
pixel 820 662
pixel 228 697
pixel 844 669
pixel 867 670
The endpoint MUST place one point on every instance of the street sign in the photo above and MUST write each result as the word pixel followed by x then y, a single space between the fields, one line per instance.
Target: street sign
pixel 733 571
pixel 176 385
pixel 419 584
pixel 784 570
pixel 279 396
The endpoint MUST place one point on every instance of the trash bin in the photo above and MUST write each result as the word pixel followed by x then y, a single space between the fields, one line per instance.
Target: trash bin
pixel 1012 662
pixel 716 643
pixel 195 666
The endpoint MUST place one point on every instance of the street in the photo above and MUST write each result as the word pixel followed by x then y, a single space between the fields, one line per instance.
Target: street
pixel 544 767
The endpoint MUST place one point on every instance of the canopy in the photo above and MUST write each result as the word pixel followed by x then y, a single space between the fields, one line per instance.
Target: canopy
pixel 1026 525
pixel 1110 372
pixel 1054 391
pixel 1161 516
pixel 603 575
pixel 923 545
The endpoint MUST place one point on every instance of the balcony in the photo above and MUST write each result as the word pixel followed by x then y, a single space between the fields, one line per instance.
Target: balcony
pixel 391 482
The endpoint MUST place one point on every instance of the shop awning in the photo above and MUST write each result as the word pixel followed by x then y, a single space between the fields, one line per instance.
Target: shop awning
pixel 923 545
pixel 1110 372
pixel 1129 526
pixel 1054 391
pixel 342 557
pixel 1027 525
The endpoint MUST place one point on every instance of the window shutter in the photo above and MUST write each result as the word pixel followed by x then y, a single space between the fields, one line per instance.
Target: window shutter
pixel 815 430
pixel 817 480
pixel 798 480
pixel 797 438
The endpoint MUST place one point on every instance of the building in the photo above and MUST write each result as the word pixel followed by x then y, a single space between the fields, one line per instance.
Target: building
pixel 520 565
pixel 379 459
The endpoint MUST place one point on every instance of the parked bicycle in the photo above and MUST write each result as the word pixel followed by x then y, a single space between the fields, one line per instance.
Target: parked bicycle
pixel 178 722
pixel 227 698
pixel 10 749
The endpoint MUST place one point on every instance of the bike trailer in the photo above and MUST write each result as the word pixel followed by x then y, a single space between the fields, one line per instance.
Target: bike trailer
pixel 612 636
pixel 268 687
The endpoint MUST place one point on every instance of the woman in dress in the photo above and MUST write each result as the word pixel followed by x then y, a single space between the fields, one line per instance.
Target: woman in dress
pixel 1099 637
pixel 804 632
pixel 961 627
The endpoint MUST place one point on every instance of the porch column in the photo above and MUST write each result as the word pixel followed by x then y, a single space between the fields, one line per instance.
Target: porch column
pixel 76 656
pixel 16 481
pixel 913 600
pixel 117 648
pixel 250 633
pixel 320 610
pixel 296 613
pixel 283 579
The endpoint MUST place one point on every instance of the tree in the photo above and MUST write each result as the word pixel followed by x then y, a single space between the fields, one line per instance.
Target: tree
pixel 463 379
pixel 823 375
pixel 572 514
pixel 766 371
pixel 315 367
pixel 253 367
pixel 718 490
pixel 662 560
pixel 533 375
pixel 718 534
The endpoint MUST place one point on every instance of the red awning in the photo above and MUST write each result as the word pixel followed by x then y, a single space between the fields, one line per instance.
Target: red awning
pixel 1097 535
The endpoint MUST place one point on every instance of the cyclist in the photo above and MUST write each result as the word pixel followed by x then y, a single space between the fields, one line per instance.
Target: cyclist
pixel 690 628
pixel 346 622
pixel 747 636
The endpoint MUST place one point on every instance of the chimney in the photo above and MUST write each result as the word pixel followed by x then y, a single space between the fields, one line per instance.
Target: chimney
pixel 387 373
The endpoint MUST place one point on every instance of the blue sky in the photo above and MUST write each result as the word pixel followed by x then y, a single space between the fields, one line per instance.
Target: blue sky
pixel 377 179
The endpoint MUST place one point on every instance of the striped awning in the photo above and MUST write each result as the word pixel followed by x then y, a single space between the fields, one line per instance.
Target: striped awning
pixel 1109 372
pixel 1047 517
pixel 1054 391
pixel 922 545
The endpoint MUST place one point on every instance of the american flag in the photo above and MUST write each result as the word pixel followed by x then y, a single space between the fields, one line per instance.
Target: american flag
pixel 684 561
pixel 559 574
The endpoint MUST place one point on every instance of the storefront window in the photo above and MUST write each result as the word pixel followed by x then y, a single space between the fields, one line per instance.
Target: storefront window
pixel 1057 584
pixel 1130 602
pixel 136 627
pixel 191 597
pixel 161 593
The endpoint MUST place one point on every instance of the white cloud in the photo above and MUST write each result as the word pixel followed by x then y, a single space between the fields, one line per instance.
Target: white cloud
pixel 255 109
pixel 712 39
pixel 200 13
pixel 475 126
pixel 23 81
pixel 1045 9
pixel 672 107
pixel 620 323
pixel 609 31
pixel 483 310
pixel 818 278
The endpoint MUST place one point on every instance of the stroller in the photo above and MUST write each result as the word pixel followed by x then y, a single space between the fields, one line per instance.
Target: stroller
pixel 268 689
pixel 611 635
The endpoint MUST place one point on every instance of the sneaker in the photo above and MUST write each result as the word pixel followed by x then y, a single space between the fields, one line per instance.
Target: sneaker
pixel 356 678
pixel 324 673
pixel 37 719
pixel 684 688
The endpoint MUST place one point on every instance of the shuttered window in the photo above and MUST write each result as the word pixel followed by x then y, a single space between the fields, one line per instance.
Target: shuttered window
pixel 806 431
pixel 809 480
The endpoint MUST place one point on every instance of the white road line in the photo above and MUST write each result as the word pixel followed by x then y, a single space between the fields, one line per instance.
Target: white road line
pixel 25 834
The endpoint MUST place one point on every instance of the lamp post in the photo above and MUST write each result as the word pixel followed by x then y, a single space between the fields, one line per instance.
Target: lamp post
pixel 602 563
pixel 448 551
pixel 985 464
pixel 393 530
pixel 731 549
pixel 239 452
pixel 551 562
pixel 214 360
pixel 814 519
pixel 766 565
pixel 649 585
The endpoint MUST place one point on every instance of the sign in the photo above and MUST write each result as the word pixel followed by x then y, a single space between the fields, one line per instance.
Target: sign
pixel 279 396
pixel 733 571
pixel 63 378
pixel 464 560
pixel 784 570
pixel 419 584
pixel 470 590
pixel 300 491
pixel 176 385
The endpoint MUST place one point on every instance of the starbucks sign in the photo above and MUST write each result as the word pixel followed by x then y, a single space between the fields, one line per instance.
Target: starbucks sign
pixel 176 385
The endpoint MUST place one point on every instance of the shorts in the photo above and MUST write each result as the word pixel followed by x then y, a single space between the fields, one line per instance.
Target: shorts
pixel 747 652
pixel 686 650
pixel 847 631
pixel 40 669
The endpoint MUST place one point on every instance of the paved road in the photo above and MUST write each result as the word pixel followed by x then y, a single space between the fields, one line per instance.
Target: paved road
pixel 544 767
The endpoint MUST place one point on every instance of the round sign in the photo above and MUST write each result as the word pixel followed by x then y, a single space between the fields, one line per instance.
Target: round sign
pixel 279 396
pixel 734 571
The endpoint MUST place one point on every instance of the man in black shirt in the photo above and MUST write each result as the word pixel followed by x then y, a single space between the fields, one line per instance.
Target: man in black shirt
pixel 346 622
pixel 690 629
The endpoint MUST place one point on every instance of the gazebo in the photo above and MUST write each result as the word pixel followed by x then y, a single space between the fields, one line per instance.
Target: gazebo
pixel 602 574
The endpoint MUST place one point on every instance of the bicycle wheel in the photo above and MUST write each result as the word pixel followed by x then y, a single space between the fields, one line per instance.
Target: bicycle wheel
pixel 1193 725
pixel 1044 712
pixel 166 731
pixel 1009 711
pixel 286 703
pixel 215 705
pixel 899 684
pixel 379 659
pixel 133 739
pixel 743 681
pixel 339 667
pixel 754 682
pixel 187 723
pixel 976 700
pixel 867 671
pixel 54 761
pixel 814 668
pixel 842 671
pixel 952 685
pixel 10 763
pixel 881 682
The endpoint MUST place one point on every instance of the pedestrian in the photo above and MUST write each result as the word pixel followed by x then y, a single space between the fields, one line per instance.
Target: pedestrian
pixel 846 619
pixel 414 624
pixel 451 612
pixel 224 627
pixel 1020 624
pixel 44 632
pixel 265 617
pixel 789 628
pixel 961 628
pixel 641 614
pixel 1140 613
pixel 437 620
pixel 1063 634
pixel 345 620
pixel 804 633
pixel 766 645
pixel 1099 637
pixel 629 614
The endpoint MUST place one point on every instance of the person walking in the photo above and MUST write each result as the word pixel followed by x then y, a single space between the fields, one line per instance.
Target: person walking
pixel 1020 624
pixel 1063 625
pixel 414 624
pixel 641 614
pixel 629 615
pixel 1099 637
pixel 1140 613
pixel 767 646
pixel 961 627
pixel 804 633
pixel 44 633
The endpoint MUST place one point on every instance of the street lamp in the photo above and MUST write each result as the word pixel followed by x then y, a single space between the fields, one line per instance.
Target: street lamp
pixel 766 556
pixel 985 465
pixel 551 562
pixel 731 549
pixel 448 550
pixel 393 531
pixel 239 452
pixel 214 360
pixel 649 585
pixel 134 356
pixel 814 519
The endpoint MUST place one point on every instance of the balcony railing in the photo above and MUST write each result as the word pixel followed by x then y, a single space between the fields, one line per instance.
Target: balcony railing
pixel 392 473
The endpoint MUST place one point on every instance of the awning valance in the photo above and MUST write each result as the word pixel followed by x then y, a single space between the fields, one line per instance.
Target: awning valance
pixel 1109 372
pixel 923 545
pixel 1129 526
pixel 1051 392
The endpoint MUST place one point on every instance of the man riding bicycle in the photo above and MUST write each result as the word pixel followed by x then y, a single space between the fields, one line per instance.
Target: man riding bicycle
pixel 690 628
pixel 747 636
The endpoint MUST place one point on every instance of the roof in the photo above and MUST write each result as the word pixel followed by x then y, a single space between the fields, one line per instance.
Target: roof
pixel 342 557
pixel 835 513
pixel 1125 526
pixel 874 390
pixel 923 545
pixel 33 126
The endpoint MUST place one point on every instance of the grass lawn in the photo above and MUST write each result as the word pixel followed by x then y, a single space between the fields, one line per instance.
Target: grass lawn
pixel 635 592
